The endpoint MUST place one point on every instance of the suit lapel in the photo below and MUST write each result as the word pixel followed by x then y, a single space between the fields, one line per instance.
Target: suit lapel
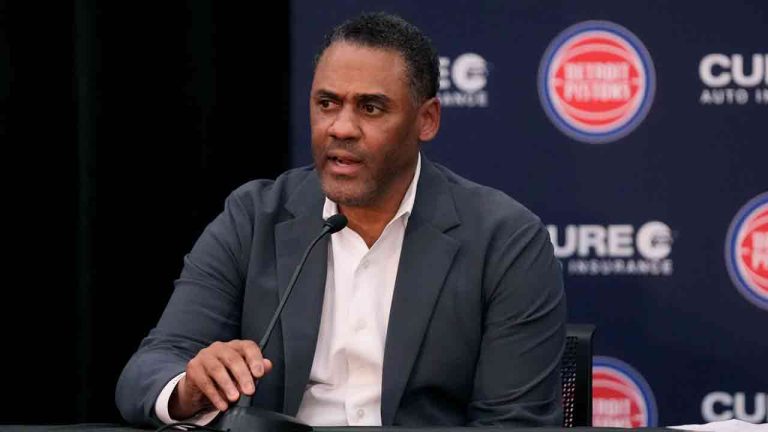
pixel 425 260
pixel 300 319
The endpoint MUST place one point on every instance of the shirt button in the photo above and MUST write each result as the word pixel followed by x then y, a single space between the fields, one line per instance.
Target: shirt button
pixel 360 325
pixel 360 413
pixel 364 264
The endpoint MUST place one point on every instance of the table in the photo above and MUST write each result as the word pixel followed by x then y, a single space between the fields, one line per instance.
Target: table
pixel 106 427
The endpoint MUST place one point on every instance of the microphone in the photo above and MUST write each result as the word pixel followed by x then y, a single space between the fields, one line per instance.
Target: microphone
pixel 332 225
pixel 335 223
pixel 245 417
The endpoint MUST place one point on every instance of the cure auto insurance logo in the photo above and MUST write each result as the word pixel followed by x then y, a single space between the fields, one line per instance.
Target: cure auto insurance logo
pixel 596 82
pixel 620 395
pixel 746 250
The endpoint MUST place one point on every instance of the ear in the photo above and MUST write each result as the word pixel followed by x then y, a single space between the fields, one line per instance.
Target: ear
pixel 429 119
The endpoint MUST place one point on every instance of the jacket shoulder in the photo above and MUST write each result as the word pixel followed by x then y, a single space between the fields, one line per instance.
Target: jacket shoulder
pixel 480 204
pixel 270 196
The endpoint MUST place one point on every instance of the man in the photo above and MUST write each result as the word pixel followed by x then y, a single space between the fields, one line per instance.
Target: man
pixel 441 303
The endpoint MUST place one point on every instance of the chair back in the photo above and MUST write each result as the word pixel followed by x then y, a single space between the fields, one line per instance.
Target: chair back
pixel 576 375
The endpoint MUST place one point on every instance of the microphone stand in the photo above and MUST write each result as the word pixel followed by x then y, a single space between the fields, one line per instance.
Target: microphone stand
pixel 244 417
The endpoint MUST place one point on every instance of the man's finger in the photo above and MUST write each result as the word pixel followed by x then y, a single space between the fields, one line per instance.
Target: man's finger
pixel 209 389
pixel 238 369
pixel 253 357
pixel 220 376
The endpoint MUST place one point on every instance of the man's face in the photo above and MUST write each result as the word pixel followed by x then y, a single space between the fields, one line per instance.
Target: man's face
pixel 365 125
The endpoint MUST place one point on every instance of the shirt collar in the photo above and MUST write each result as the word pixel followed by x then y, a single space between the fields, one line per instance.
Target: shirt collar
pixel 406 205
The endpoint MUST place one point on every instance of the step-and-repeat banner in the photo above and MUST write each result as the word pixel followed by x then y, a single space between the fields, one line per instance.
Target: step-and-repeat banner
pixel 637 131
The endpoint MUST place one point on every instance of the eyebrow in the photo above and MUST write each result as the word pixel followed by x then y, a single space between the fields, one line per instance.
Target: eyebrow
pixel 377 98
pixel 325 94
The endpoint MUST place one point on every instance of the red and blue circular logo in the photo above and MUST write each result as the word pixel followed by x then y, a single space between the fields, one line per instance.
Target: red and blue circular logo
pixel 620 395
pixel 596 82
pixel 746 250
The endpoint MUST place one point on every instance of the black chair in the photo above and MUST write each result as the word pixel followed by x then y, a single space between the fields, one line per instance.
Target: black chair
pixel 576 375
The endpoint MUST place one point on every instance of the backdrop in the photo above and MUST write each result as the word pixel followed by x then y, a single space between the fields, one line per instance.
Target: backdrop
pixel 636 131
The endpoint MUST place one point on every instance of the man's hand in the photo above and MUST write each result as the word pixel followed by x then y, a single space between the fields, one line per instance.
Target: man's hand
pixel 217 376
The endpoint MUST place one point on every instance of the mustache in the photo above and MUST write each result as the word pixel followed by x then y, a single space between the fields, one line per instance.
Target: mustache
pixel 346 145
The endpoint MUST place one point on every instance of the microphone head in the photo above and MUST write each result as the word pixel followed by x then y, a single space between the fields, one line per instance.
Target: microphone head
pixel 336 223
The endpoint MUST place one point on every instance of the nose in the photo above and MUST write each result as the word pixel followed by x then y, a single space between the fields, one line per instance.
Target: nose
pixel 345 125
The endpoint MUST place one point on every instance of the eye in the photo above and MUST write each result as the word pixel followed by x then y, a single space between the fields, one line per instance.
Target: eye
pixel 371 109
pixel 324 103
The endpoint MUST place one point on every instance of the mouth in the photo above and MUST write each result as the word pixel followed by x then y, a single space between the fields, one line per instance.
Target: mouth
pixel 344 164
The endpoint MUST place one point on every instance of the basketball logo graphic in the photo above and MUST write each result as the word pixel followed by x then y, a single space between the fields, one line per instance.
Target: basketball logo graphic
pixel 620 395
pixel 596 82
pixel 746 250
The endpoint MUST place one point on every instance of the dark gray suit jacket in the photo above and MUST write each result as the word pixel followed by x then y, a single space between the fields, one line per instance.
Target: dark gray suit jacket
pixel 476 326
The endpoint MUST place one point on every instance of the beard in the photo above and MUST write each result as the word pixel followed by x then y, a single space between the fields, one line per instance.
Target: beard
pixel 364 189
pixel 349 192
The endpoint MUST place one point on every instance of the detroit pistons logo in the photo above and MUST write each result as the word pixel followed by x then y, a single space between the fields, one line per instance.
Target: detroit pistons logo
pixel 596 82
pixel 620 395
pixel 746 250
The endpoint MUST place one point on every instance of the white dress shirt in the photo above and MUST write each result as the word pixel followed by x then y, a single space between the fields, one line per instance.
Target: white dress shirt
pixel 345 381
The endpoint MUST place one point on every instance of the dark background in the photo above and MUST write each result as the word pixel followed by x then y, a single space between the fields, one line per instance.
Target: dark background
pixel 124 125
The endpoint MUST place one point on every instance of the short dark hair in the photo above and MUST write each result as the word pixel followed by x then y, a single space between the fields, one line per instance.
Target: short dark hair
pixel 382 30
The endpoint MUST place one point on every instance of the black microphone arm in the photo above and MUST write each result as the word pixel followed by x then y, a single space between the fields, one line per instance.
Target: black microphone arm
pixel 246 417
pixel 333 224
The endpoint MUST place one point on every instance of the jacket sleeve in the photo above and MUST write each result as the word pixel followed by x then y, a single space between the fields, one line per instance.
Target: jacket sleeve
pixel 205 307
pixel 517 379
